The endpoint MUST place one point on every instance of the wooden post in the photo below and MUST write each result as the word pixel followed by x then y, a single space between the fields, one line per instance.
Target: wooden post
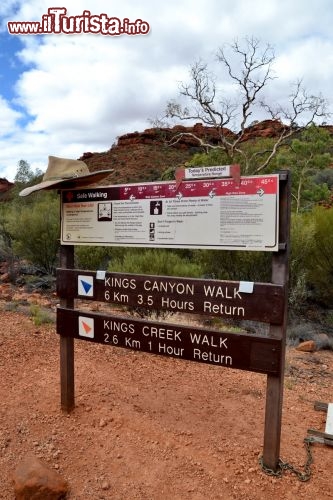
pixel 67 343
pixel 280 275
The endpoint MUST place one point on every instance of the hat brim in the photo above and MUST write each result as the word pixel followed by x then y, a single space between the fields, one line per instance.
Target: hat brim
pixel 74 182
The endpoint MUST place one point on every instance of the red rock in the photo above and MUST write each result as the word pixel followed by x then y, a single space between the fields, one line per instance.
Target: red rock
pixel 5 278
pixel 33 479
pixel 5 185
pixel 308 346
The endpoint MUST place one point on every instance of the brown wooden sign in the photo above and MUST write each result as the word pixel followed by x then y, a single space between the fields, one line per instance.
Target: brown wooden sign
pixel 263 302
pixel 225 299
pixel 230 350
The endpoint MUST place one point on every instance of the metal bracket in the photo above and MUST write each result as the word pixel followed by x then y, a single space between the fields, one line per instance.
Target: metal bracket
pixel 327 436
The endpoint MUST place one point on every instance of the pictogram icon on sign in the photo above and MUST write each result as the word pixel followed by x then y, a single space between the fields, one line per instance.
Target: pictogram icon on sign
pixel 86 327
pixel 85 285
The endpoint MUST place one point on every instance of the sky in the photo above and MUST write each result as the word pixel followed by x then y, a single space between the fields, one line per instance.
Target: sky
pixel 66 94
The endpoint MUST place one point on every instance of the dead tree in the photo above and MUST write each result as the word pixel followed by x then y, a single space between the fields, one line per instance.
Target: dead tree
pixel 249 68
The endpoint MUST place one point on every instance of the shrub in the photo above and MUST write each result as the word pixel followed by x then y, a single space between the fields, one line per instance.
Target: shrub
pixel 234 265
pixel 39 316
pixel 321 257
pixel 154 261
pixel 89 257
pixel 302 241
pixel 35 231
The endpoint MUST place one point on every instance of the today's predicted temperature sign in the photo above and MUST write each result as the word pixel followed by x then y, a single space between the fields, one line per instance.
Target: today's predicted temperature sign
pixel 212 213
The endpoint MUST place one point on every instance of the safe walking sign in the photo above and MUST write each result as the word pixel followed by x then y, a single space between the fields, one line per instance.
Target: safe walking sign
pixel 214 214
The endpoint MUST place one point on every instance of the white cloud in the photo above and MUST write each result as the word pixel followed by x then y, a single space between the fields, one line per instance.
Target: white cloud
pixel 310 58
pixel 79 92
pixel 9 118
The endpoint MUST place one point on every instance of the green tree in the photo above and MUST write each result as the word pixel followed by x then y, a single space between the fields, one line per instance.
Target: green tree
pixel 35 231
pixel 320 262
pixel 302 243
pixel 7 253
pixel 25 174
pixel 305 156
pixel 25 177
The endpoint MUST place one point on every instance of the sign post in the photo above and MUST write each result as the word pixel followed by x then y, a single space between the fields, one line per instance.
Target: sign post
pixel 280 275
pixel 246 213
pixel 67 383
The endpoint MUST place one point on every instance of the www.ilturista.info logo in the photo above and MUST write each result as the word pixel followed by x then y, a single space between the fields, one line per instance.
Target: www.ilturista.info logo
pixel 57 22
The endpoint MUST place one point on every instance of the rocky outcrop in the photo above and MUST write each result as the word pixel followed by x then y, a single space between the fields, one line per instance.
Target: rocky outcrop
pixel 145 156
pixel 5 187
pixel 166 135
pixel 266 128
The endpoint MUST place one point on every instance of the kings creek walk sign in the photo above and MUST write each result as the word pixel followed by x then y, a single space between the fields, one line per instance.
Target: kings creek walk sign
pixel 214 216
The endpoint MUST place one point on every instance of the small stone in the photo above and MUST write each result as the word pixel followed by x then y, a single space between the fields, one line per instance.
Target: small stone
pixel 33 479
pixel 105 485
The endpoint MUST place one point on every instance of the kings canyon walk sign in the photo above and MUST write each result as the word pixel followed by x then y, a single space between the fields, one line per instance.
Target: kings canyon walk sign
pixel 248 213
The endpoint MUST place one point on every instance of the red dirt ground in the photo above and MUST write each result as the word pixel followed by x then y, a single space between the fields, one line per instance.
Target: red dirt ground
pixel 150 428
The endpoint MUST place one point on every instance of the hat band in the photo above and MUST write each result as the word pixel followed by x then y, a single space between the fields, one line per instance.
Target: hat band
pixel 68 176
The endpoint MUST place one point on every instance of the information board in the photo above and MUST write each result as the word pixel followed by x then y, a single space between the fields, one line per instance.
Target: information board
pixel 213 214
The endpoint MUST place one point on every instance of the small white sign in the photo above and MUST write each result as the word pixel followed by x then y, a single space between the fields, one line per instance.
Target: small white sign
pixel 204 172
pixel 246 286
pixel 329 419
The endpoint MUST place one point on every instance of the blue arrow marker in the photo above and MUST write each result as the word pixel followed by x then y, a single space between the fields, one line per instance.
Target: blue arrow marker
pixel 86 286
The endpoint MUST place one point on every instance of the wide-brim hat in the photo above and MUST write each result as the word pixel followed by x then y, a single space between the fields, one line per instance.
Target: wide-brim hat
pixel 63 173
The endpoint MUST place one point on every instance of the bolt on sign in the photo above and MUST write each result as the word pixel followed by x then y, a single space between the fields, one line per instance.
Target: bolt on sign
pixel 236 215
pixel 240 213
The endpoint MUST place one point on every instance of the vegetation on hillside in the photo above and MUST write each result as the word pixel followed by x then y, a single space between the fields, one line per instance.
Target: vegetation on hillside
pixel 29 229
